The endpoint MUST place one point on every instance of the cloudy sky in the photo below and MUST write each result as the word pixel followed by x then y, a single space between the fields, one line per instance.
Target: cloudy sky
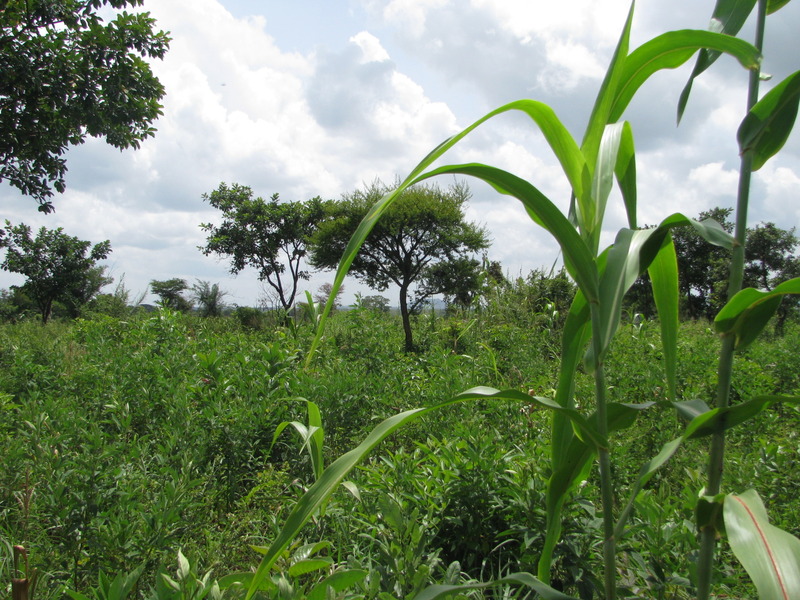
pixel 318 97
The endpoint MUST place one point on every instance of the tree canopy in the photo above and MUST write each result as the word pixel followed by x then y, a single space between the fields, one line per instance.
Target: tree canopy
pixel 170 293
pixel 270 236
pixel 66 74
pixel 421 232
pixel 57 267
pixel 770 258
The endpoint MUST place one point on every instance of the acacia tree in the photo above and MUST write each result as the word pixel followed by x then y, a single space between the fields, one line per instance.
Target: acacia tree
pixel 67 74
pixel 170 293
pixel 424 229
pixel 57 267
pixel 270 236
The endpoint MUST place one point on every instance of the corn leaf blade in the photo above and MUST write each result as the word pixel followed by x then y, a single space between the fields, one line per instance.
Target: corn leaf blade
pixel 748 312
pixel 767 126
pixel 770 555
pixel 728 18
pixel 669 51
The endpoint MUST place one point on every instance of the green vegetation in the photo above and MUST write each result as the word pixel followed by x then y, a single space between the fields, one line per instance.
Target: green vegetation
pixel 538 427
pixel 67 74
pixel 126 441
pixel 422 245
pixel 57 267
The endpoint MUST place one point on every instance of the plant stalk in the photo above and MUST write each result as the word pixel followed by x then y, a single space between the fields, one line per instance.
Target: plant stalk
pixel 604 459
pixel 708 533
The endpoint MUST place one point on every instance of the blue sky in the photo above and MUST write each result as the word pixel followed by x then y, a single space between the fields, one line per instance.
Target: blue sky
pixel 312 98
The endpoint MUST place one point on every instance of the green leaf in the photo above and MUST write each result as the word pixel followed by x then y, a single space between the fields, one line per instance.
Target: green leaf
pixel 707 422
pixel 590 146
pixel 748 312
pixel 590 214
pixel 770 555
pixel 664 282
pixel 309 565
pixel 669 51
pixel 625 170
pixel 728 18
pixel 689 409
pixel 631 254
pixel 338 582
pixel 767 126
pixel 775 5
pixel 584 429
pixel 558 137
pixel 434 592
pixel 577 256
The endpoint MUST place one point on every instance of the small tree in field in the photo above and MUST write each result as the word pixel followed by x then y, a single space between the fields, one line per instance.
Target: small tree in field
pixel 58 267
pixel 324 292
pixel 170 292
pixel 269 236
pixel 209 298
pixel 423 231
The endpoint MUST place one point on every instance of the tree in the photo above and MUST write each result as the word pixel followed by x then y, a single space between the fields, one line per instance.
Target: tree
pixel 703 269
pixel 266 235
pixel 209 298
pixel 58 267
pixel 324 292
pixel 424 228
pixel 170 291
pixel 67 74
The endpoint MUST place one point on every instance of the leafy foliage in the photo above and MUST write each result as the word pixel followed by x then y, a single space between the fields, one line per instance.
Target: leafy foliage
pixel 423 240
pixel 58 267
pixel 266 235
pixel 209 298
pixel 68 74
pixel 170 291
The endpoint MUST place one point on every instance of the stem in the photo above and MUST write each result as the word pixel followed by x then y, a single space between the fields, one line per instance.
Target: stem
pixel 708 533
pixel 604 459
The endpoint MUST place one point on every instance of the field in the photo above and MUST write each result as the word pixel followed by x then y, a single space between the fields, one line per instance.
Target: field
pixel 127 441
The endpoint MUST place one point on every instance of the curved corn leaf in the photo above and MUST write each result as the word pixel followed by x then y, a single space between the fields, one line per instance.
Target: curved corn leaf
pixel 728 18
pixel 599 118
pixel 664 282
pixel 333 476
pixel 770 555
pixel 670 50
pixel 558 137
pixel 775 5
pixel 632 253
pixel 767 126
pixel 322 488
pixel 585 430
pixel 577 257
pixel 748 312
pixel 625 170
pixel 707 423
pixel 704 422
pixel 434 592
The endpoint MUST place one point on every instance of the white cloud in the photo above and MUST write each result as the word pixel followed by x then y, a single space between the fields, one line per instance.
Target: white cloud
pixel 376 97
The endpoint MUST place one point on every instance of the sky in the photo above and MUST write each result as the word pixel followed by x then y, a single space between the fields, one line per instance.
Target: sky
pixel 313 98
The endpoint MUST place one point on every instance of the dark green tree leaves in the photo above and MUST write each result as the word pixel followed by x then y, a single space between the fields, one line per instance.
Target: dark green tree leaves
pixel 67 74
pixel 422 231
pixel 58 267
pixel 270 236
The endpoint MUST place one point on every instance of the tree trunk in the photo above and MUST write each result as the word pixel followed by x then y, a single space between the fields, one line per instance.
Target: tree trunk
pixel 409 343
